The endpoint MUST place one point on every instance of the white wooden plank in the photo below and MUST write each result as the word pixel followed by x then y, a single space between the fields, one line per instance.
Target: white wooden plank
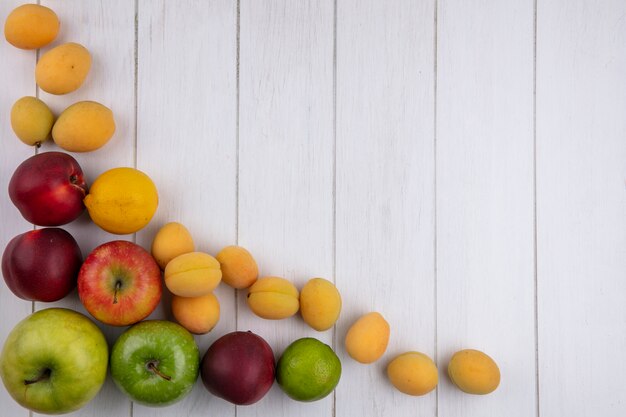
pixel 485 220
pixel 186 142
pixel 17 68
pixel 385 192
pixel 106 29
pixel 286 164
pixel 581 150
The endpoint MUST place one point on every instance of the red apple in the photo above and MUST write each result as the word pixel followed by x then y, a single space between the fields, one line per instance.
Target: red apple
pixel 119 283
pixel 239 367
pixel 41 265
pixel 48 189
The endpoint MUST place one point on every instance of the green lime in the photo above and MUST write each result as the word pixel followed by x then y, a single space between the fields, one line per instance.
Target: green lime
pixel 308 370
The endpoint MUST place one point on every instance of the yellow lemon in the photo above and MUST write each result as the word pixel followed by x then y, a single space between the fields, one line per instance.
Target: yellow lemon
pixel 122 200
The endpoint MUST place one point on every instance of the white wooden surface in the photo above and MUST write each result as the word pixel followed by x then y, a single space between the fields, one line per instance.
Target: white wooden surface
pixel 458 166
pixel 485 201
pixel 581 207
pixel 385 192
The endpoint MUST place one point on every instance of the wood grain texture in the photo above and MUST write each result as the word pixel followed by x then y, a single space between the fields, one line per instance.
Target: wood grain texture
pixel 485 212
pixel 581 207
pixel 286 164
pixel 186 142
pixel 385 192
pixel 17 68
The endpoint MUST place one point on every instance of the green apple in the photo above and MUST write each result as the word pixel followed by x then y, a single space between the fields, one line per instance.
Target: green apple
pixel 155 362
pixel 54 361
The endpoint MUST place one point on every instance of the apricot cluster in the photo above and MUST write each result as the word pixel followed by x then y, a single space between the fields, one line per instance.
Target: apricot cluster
pixel 191 277
pixel 415 373
pixel 84 126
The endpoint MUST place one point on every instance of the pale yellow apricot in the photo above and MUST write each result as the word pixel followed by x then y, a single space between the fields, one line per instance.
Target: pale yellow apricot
pixel 172 240
pixel 320 304
pixel 192 274
pixel 31 26
pixel 199 315
pixel 367 339
pixel 273 298
pixel 83 127
pixel 63 69
pixel 413 373
pixel 239 269
pixel 474 372
pixel 31 120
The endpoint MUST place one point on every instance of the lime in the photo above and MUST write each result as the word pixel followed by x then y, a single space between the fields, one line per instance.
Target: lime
pixel 308 370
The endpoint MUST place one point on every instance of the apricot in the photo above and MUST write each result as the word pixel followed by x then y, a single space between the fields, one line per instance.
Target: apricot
pixel 474 372
pixel 172 240
pixel 239 269
pixel 367 339
pixel 413 373
pixel 192 274
pixel 199 315
pixel 63 69
pixel 273 298
pixel 320 304
pixel 31 26
pixel 31 120
pixel 83 127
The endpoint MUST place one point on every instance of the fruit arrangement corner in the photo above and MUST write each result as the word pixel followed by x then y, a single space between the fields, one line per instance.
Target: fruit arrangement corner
pixel 120 284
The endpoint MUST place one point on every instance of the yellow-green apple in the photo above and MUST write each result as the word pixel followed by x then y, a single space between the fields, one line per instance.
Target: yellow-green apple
pixel 54 361
pixel 48 189
pixel 238 367
pixel 119 283
pixel 155 362
pixel 42 264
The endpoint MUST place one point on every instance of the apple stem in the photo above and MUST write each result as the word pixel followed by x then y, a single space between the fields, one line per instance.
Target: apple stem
pixel 153 368
pixel 118 285
pixel 44 375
